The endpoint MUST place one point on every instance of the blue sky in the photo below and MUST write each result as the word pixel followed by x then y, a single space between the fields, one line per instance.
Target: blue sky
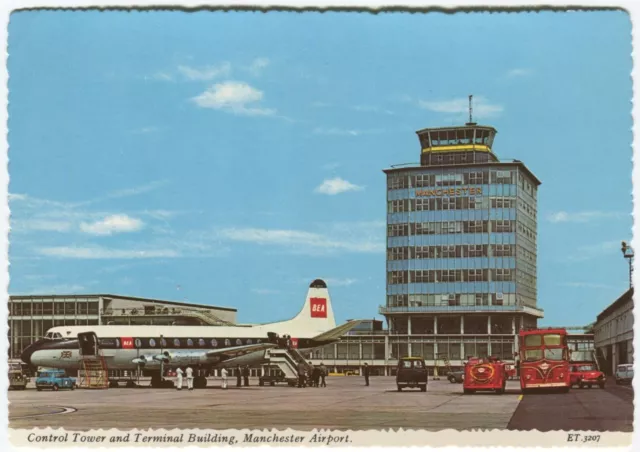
pixel 231 158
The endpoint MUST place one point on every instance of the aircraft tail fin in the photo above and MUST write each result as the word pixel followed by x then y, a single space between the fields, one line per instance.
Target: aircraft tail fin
pixel 316 314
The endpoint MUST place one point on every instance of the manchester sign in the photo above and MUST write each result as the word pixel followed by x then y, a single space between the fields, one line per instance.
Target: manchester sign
pixel 450 191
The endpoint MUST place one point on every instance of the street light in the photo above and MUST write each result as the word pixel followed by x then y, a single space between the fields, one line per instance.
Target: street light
pixel 627 252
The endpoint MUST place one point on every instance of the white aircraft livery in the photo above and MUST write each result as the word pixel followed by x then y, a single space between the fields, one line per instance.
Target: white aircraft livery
pixel 128 347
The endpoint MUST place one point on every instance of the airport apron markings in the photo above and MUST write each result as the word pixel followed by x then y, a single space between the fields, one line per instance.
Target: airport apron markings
pixel 65 410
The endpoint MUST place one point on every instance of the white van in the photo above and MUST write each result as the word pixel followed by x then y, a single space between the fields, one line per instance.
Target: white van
pixel 624 373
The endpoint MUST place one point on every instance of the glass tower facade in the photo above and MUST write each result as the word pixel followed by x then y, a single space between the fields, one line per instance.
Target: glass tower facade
pixel 461 249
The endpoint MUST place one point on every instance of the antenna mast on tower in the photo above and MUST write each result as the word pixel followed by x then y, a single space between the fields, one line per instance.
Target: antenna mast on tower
pixel 470 109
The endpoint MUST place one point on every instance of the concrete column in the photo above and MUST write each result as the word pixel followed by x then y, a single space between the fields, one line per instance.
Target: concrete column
pixel 461 324
pixel 513 325
pixel 488 324
pixel 386 350
pixel 409 348
pixel 489 348
pixel 435 324
pixel 360 355
pixel 409 324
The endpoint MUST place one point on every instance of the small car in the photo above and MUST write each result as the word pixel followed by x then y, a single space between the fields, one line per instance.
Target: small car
pixel 455 376
pixel 624 373
pixel 54 380
pixel 586 374
pixel 412 373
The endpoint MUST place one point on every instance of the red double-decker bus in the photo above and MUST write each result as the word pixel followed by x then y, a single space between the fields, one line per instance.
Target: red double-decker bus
pixel 544 359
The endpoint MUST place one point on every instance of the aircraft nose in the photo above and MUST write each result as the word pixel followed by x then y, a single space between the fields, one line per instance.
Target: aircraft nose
pixel 28 352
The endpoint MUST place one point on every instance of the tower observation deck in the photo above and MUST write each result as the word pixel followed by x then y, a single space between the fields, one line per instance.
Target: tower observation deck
pixel 463 145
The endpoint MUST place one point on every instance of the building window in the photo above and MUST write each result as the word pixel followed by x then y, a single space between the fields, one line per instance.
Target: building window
pixel 448 203
pixel 475 275
pixel 449 251
pixel 451 227
pixel 502 250
pixel 476 226
pixel 476 251
pixel 476 178
pixel 503 274
pixel 503 226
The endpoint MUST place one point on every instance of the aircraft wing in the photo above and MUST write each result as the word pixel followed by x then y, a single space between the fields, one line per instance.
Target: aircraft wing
pixel 337 332
pixel 234 352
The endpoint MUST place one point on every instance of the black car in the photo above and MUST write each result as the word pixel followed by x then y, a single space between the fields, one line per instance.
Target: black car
pixel 412 373
pixel 455 376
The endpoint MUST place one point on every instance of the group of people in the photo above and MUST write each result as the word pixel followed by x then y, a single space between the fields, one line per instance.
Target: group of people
pixel 315 375
pixel 189 372
pixel 242 373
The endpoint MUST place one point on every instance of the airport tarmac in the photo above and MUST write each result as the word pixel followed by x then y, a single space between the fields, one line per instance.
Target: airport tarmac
pixel 345 404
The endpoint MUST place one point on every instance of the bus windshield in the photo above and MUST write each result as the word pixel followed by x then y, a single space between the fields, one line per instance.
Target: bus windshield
pixel 534 340
pixel 554 354
pixel 533 355
pixel 552 339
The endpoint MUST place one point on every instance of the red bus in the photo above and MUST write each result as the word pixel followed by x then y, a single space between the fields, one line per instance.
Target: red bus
pixel 544 359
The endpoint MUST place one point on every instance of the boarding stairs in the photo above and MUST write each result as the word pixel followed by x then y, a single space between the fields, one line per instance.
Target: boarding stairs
pixel 93 373
pixel 287 360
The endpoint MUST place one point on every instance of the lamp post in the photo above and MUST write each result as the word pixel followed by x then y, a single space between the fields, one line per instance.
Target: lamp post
pixel 627 252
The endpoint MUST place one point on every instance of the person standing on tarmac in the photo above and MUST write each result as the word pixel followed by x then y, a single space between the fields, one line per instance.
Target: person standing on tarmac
pixel 189 378
pixel 323 374
pixel 302 373
pixel 365 372
pixel 179 374
pixel 238 376
pixel 224 374
pixel 245 373
pixel 316 376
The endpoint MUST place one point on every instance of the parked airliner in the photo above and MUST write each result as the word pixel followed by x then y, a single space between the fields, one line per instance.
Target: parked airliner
pixel 128 347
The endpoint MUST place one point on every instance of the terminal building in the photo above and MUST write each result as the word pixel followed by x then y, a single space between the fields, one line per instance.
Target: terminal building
pixel 613 333
pixel 31 316
pixel 461 249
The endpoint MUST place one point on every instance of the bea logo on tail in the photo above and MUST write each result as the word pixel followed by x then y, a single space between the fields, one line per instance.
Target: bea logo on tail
pixel 319 307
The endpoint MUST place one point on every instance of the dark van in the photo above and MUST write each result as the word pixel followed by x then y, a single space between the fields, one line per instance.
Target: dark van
pixel 412 373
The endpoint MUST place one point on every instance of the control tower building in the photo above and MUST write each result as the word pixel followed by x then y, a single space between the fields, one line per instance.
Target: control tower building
pixel 461 249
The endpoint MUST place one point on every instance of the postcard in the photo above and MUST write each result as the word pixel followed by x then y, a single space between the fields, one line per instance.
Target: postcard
pixel 320 229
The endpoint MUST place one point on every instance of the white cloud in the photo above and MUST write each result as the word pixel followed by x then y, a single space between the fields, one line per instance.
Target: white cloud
pixel 206 73
pixel 96 252
pixel 320 104
pixel 344 132
pixel 460 106
pixel 372 109
pixel 145 130
pixel 335 186
pixel 235 97
pixel 161 76
pixel 112 224
pixel 518 72
pixel 583 217
pixel 355 240
pixel 587 252
pixel 586 285
pixel 265 291
pixel 258 65
pixel 62 289
pixel 40 225
pixel 340 282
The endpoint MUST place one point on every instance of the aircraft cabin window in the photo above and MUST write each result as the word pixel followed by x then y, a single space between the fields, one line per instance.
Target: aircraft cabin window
pixel 238 342
pixel 201 342
pixel 214 343
pixel 227 342
pixel 259 341
pixel 138 343
pixel 248 341
pixel 176 342
pixel 163 342
pixel 189 342
pixel 152 343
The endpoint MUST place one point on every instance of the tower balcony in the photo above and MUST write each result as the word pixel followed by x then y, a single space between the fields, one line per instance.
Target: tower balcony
pixel 387 310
